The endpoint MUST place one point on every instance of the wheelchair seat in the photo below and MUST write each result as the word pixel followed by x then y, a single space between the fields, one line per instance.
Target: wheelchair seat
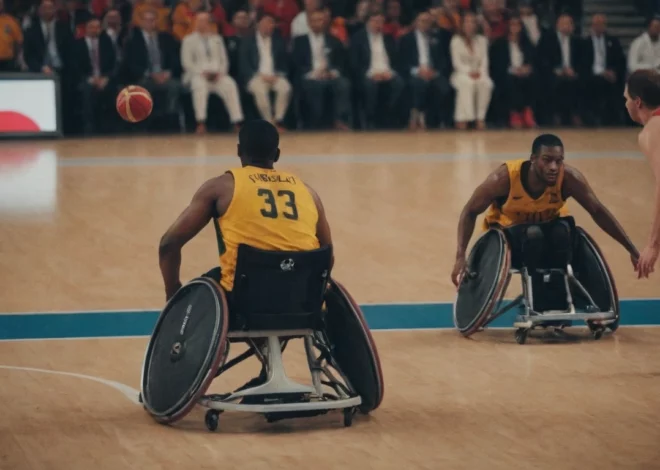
pixel 584 290
pixel 277 296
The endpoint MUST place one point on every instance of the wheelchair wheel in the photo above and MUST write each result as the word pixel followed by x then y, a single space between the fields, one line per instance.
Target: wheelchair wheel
pixel 186 348
pixel 593 272
pixel 484 284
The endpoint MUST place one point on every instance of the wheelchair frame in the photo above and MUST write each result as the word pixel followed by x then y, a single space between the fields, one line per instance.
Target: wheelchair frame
pixel 596 320
pixel 278 385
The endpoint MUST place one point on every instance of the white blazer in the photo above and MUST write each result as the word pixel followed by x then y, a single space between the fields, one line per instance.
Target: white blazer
pixel 465 61
pixel 195 59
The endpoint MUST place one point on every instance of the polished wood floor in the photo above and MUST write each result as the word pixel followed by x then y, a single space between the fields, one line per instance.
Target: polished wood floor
pixel 81 234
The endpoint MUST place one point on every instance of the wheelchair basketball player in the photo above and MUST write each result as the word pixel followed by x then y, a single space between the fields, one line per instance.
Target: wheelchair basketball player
pixel 526 198
pixel 272 284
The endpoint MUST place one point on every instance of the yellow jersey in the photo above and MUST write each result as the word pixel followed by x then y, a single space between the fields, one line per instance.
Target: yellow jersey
pixel 270 210
pixel 521 208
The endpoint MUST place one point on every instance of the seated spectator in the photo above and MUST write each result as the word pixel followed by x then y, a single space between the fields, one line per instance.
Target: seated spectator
pixel 357 21
pixel 75 15
pixel 511 63
pixel 206 70
pixel 114 29
pixel 320 60
pixel 162 12
pixel 152 62
pixel 448 16
pixel 183 18
pixel 560 58
pixel 335 26
pixel 47 42
pixel 425 66
pixel 470 79
pixel 605 68
pixel 393 25
pixel 11 39
pixel 94 61
pixel 219 21
pixel 374 60
pixel 264 66
pixel 530 21
pixel 284 12
pixel 644 52
pixel 494 19
pixel 239 28
pixel 300 24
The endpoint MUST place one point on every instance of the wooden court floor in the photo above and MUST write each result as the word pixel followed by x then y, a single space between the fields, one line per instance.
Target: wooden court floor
pixel 79 228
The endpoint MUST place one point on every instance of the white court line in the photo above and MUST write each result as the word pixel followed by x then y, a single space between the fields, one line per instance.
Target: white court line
pixel 322 159
pixel 128 392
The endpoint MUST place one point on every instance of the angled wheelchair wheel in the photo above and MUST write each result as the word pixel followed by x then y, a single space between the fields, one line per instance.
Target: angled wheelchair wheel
pixel 485 282
pixel 186 348
pixel 353 347
pixel 593 272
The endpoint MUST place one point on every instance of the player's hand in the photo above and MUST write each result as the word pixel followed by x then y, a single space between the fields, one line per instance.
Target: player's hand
pixel 459 270
pixel 647 259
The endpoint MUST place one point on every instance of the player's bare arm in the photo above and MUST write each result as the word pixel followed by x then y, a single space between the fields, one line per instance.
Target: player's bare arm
pixel 494 187
pixel 576 186
pixel 210 200
pixel 322 226
pixel 649 141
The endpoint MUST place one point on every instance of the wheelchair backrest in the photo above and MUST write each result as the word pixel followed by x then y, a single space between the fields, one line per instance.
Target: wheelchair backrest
pixel 279 289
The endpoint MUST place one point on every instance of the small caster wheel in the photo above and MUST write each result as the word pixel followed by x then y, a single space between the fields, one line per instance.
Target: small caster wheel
pixel 348 417
pixel 598 333
pixel 211 420
pixel 613 326
pixel 140 397
pixel 521 335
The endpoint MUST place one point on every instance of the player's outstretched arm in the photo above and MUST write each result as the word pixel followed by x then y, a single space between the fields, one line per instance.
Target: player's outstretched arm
pixel 322 226
pixel 494 187
pixel 205 204
pixel 576 186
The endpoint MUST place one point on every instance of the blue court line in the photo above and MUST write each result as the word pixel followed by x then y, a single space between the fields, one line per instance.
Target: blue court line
pixel 379 317
pixel 323 159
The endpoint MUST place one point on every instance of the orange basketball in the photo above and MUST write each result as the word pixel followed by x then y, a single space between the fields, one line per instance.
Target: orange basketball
pixel 134 103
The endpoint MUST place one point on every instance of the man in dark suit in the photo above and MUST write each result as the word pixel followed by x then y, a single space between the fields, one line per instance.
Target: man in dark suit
pixel 151 60
pixel 47 49
pixel 47 43
pixel 561 69
pixel 264 66
pixel 425 65
pixel 319 61
pixel 374 61
pixel 94 59
pixel 605 68
pixel 240 28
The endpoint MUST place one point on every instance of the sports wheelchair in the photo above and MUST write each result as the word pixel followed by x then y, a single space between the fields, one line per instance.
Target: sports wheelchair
pixel 584 290
pixel 277 297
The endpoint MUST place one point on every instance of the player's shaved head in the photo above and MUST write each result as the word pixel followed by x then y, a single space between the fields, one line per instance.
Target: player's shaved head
pixel 258 141
pixel 545 140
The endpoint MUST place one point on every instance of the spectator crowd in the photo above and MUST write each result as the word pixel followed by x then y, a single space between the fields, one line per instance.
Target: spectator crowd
pixel 340 64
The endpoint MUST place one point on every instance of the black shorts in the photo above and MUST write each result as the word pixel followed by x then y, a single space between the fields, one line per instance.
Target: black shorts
pixel 553 250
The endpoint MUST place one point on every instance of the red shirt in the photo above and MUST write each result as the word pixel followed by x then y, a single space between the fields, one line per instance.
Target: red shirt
pixel 285 11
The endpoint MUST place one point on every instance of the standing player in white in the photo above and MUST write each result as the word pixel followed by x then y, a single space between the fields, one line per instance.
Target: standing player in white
pixel 643 104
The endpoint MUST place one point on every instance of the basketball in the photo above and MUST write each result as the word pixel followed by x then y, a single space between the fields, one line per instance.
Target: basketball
pixel 134 103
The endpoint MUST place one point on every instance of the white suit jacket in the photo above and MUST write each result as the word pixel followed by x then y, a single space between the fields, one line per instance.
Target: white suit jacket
pixel 196 60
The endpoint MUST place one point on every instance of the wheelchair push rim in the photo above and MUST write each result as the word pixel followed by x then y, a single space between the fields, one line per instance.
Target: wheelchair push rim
pixel 199 370
pixel 354 323
pixel 607 272
pixel 473 309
